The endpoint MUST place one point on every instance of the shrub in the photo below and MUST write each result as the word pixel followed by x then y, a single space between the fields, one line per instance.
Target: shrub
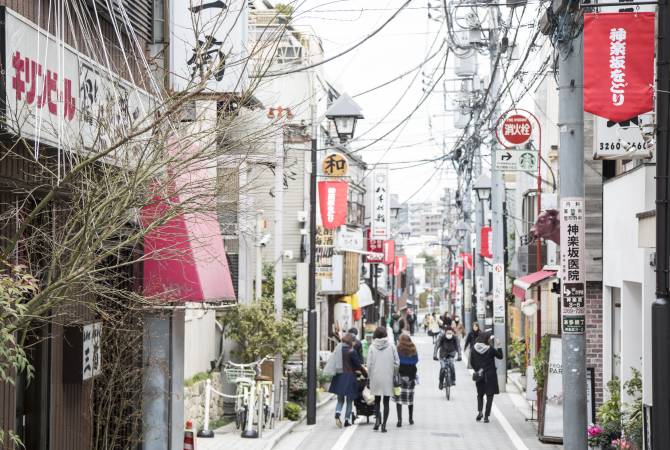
pixel 517 354
pixel 297 387
pixel 292 411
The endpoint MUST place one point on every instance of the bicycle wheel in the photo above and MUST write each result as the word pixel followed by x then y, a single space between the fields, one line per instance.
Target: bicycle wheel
pixel 447 390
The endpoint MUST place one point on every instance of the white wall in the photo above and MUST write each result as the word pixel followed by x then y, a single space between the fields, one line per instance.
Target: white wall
pixel 201 340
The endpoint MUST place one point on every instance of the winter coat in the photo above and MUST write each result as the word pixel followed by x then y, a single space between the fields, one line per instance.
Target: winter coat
pixel 471 339
pixel 483 357
pixel 459 329
pixel 345 383
pixel 446 346
pixel 408 366
pixel 411 321
pixel 434 326
pixel 383 362
pixel 397 325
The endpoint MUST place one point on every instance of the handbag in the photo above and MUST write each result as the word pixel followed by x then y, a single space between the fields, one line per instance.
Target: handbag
pixel 396 380
pixel 368 398
pixel 478 376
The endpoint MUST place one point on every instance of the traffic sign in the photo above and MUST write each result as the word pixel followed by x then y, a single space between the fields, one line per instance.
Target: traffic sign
pixel 516 160
pixel 516 129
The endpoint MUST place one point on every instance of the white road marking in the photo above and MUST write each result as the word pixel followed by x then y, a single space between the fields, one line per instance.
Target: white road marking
pixel 344 438
pixel 516 440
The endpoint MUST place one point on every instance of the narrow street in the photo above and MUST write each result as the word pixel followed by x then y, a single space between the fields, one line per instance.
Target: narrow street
pixel 438 423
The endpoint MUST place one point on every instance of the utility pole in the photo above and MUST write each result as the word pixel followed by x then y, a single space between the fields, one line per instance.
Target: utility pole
pixel 660 308
pixel 466 315
pixel 497 213
pixel 571 167
pixel 279 249
pixel 311 313
pixel 259 256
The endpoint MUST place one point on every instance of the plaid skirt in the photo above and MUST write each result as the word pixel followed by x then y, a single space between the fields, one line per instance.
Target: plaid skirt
pixel 406 396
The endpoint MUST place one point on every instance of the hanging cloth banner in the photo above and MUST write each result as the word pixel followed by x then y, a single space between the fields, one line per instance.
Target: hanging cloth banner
pixel 467 260
pixel 619 64
pixel 486 241
pixel 400 264
pixel 333 203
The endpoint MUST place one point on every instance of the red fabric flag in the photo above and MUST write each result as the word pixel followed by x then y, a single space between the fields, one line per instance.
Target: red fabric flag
pixel 389 252
pixel 467 260
pixel 485 239
pixel 333 203
pixel 619 64
pixel 400 265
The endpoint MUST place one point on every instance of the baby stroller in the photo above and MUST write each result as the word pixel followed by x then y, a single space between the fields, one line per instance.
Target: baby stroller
pixel 362 408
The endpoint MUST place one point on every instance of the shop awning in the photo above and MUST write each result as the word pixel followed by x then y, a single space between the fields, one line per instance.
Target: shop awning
pixel 521 285
pixel 364 296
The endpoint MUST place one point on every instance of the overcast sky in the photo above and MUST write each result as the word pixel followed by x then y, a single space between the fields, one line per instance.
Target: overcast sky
pixel 399 47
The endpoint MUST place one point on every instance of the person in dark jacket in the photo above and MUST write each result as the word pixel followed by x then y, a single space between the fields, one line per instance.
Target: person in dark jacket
pixel 411 321
pixel 358 346
pixel 448 347
pixel 344 384
pixel 407 371
pixel 483 362
pixel 397 325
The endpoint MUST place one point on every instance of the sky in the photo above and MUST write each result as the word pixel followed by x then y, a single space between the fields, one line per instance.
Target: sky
pixel 401 46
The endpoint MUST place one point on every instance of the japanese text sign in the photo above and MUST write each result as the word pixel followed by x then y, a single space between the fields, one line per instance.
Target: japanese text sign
pixel 335 165
pixel 498 294
pixel 573 246
pixel 619 64
pixel 333 197
pixel 380 214
pixel 208 38
pixel 376 247
pixel 516 129
pixel 91 355
pixel 486 239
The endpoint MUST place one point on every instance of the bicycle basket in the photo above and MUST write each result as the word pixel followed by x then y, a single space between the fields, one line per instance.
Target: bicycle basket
pixel 232 374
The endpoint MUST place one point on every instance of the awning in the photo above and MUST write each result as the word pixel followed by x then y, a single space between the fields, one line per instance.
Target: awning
pixel 364 296
pixel 521 285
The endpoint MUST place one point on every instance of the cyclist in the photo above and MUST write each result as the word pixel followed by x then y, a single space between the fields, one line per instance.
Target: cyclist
pixel 448 346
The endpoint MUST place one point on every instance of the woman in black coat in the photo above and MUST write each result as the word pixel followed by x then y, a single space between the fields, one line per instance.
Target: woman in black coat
pixel 344 384
pixel 483 362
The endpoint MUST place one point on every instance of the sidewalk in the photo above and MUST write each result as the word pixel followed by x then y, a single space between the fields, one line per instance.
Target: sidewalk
pixel 228 438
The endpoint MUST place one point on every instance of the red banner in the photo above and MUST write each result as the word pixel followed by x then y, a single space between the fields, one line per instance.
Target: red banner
pixel 333 203
pixel 619 64
pixel 389 252
pixel 486 249
pixel 400 265
pixel 374 246
pixel 459 271
pixel 467 260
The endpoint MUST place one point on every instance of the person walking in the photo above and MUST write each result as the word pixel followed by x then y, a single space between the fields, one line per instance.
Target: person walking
pixel 458 327
pixel 397 325
pixel 407 372
pixel 472 336
pixel 411 320
pixel 383 363
pixel 434 329
pixel 344 383
pixel 358 345
pixel 483 363
pixel 447 347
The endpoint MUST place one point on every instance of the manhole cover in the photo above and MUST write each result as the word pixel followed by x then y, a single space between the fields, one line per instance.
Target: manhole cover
pixel 446 434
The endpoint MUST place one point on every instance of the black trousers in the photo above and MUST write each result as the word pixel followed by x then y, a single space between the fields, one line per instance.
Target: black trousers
pixel 378 400
pixel 489 403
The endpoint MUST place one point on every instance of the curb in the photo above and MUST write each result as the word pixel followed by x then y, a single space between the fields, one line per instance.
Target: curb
pixel 280 435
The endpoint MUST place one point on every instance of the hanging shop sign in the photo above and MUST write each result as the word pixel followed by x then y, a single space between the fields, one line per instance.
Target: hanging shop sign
pixel 349 240
pixel 333 197
pixel 499 294
pixel 335 165
pixel 630 139
pixel 510 160
pixel 380 215
pixel 375 249
pixel 208 40
pixel 91 356
pixel 619 64
pixel 573 314
pixel 486 239
pixel 58 95
pixel 400 264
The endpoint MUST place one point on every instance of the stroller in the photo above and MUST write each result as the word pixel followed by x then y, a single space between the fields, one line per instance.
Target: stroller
pixel 362 408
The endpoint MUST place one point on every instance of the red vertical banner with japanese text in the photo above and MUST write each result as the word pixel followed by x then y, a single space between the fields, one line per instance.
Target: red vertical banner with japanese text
pixel 486 240
pixel 619 64
pixel 333 197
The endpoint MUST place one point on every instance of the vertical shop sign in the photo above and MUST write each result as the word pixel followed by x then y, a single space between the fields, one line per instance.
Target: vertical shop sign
pixel 573 315
pixel 498 293
pixel 380 215
pixel 333 196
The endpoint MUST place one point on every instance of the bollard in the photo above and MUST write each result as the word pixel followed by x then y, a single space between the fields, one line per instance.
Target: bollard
pixel 206 432
pixel 249 428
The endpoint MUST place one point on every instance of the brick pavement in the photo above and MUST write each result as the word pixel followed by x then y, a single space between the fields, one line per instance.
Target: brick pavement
pixel 438 423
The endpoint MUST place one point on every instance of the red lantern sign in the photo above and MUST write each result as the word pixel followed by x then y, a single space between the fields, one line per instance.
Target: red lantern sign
pixel 485 238
pixel 516 129
pixel 619 64
pixel 333 203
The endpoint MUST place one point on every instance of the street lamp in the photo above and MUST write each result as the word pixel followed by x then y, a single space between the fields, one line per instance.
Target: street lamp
pixel 482 188
pixel 344 112
pixel 405 233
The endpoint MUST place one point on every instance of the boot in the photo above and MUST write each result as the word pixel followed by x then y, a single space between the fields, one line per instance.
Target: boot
pixel 411 414
pixel 377 422
pixel 479 416
pixel 399 413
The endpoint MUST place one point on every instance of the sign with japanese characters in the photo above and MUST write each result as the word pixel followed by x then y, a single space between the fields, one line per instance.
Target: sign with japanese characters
pixel 498 293
pixel 58 96
pixel 481 306
pixel 333 197
pixel 208 43
pixel 631 139
pixel 380 214
pixel 516 129
pixel 347 240
pixel 508 160
pixel 335 165
pixel 91 355
pixel 375 249
pixel 573 245
pixel 486 239
pixel 619 64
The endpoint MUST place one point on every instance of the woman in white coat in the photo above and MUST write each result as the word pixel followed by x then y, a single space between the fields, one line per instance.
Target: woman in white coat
pixel 383 363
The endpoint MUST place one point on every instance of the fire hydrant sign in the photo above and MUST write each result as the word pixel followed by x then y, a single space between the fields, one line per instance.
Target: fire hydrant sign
pixel 516 130
pixel 573 289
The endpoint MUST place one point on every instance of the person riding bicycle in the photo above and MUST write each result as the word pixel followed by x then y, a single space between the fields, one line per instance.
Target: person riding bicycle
pixel 448 346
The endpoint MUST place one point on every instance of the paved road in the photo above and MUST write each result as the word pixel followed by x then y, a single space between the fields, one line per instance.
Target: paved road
pixel 438 423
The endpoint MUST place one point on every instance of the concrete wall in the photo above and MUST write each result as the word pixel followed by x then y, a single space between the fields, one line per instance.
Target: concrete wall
pixel 201 341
